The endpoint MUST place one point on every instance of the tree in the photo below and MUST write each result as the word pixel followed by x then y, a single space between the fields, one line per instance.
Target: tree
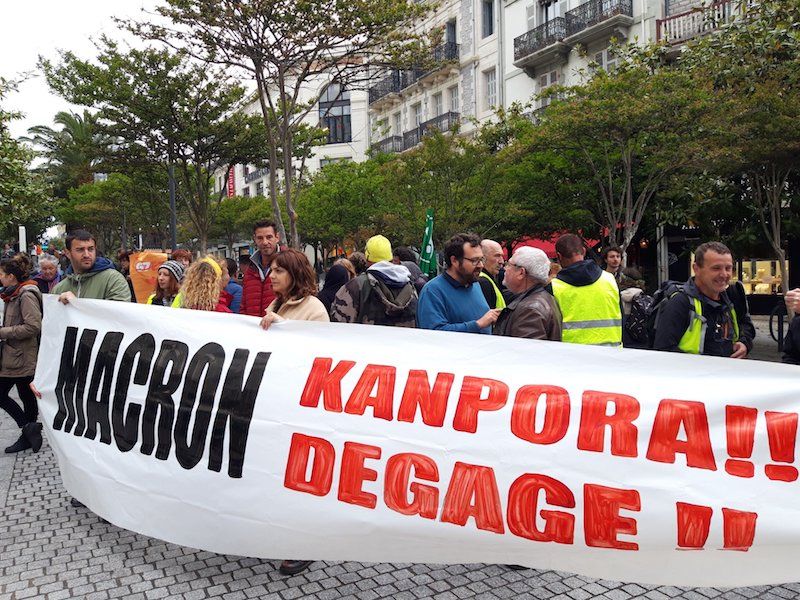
pixel 72 152
pixel 289 48
pixel 232 218
pixel 23 195
pixel 753 64
pixel 164 109
pixel 630 130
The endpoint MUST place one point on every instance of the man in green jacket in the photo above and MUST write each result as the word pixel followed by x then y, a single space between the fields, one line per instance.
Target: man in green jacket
pixel 89 276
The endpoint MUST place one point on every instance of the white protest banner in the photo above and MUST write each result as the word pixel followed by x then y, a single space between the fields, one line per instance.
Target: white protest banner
pixel 350 442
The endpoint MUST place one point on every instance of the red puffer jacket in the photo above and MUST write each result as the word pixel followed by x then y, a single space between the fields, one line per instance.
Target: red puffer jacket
pixel 257 295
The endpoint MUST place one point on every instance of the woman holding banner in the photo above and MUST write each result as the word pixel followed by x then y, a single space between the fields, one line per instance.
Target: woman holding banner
pixel 295 285
pixel 19 348
pixel 168 285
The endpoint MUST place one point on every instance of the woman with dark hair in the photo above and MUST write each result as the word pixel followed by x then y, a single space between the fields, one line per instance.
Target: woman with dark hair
pixel 19 348
pixel 335 279
pixel 168 285
pixel 295 285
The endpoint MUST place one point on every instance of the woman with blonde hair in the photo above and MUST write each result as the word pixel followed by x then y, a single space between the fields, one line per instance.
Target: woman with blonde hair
pixel 202 286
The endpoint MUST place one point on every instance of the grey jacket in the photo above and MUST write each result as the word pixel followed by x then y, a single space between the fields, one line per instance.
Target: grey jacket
pixel 533 314
pixel 19 335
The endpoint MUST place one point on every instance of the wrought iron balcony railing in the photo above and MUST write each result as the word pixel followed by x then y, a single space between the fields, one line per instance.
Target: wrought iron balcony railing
pixel 594 12
pixel 393 143
pixel 387 85
pixel 541 37
pixel 443 122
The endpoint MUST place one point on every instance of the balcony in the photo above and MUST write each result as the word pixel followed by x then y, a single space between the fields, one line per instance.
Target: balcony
pixel 541 45
pixel 680 28
pixel 389 145
pixel 396 80
pixel 443 122
pixel 599 19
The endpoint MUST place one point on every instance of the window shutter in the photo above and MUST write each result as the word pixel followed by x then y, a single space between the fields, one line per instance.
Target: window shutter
pixel 530 14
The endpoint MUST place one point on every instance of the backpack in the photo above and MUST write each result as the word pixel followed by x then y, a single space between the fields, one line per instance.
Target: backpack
pixel 659 299
pixel 384 305
pixel 636 323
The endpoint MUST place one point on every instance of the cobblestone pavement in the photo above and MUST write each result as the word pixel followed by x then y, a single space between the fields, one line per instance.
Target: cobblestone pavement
pixel 52 551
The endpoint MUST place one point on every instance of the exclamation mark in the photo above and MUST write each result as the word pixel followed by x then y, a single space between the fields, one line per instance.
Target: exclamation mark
pixel 782 435
pixel 740 427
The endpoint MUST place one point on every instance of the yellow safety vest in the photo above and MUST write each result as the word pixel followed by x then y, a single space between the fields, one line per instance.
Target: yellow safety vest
pixel 176 302
pixel 694 340
pixel 591 313
pixel 500 303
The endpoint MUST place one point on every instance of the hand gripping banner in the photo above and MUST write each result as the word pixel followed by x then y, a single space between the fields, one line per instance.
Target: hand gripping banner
pixel 351 442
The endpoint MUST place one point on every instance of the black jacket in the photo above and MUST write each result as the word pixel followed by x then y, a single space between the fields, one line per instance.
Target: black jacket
pixel 791 343
pixel 674 320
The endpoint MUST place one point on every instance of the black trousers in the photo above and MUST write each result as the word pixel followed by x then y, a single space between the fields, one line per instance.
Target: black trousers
pixel 26 414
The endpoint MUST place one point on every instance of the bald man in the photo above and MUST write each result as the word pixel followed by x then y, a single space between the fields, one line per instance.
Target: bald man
pixel 494 261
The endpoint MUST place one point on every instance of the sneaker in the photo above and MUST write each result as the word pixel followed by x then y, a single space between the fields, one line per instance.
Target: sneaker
pixel 33 433
pixel 21 444
pixel 293 567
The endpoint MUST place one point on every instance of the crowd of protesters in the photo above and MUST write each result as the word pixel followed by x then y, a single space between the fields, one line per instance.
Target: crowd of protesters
pixel 572 299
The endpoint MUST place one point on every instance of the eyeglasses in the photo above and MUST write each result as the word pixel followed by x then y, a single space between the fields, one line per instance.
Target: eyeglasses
pixel 480 260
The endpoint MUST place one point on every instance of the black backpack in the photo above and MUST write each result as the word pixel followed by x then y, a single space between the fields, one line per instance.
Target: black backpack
pixel 636 323
pixel 665 291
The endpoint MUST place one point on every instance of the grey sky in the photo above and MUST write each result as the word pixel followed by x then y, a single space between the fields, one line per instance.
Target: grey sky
pixel 34 27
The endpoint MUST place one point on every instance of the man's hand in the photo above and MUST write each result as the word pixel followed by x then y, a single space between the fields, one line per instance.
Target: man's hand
pixel 792 299
pixel 36 392
pixel 739 350
pixel 489 318
pixel 65 297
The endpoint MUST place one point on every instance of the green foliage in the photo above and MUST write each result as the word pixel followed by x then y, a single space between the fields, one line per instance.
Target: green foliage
pixel 161 108
pixel 23 194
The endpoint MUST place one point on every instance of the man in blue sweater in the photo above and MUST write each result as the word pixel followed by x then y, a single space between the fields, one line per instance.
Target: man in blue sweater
pixel 454 300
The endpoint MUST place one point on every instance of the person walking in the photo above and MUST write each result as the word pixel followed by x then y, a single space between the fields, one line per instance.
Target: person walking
pixel 295 285
pixel 19 348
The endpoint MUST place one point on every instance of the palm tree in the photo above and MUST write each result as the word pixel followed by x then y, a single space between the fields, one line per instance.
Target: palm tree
pixel 72 152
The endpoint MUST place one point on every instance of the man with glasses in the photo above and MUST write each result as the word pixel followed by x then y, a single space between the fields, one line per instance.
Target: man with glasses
pixel 533 313
pixel 453 301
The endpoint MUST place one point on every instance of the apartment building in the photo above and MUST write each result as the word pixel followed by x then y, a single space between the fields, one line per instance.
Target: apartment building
pixel 465 86
pixel 342 112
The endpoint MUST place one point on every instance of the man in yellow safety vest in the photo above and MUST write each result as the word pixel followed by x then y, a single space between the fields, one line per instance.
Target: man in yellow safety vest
pixel 587 296
pixel 493 254
pixel 707 315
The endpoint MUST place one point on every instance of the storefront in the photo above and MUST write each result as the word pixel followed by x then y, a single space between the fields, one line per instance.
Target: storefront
pixel 761 278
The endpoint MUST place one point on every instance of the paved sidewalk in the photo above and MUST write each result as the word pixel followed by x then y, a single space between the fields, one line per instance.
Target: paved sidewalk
pixel 53 551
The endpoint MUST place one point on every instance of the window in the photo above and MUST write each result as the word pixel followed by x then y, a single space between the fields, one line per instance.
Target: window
pixel 488 17
pixel 260 188
pixel 245 170
pixel 246 191
pixel 416 114
pixel 334 114
pixel 438 104
pixel 220 183
pixel 491 88
pixel 454 103
pixel 323 162
pixel 606 60
pixel 398 124
pixel 550 9
pixel 545 81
